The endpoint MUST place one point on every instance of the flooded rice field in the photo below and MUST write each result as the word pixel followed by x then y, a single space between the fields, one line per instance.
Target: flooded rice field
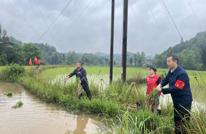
pixel 37 117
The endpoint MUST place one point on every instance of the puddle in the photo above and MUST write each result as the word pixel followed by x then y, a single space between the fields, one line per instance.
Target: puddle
pixel 37 117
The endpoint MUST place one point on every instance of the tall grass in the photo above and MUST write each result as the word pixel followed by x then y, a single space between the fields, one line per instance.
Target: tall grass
pixel 197 124
pixel 198 85
pixel 12 73
pixel 142 122
pixel 66 96
pixel 116 101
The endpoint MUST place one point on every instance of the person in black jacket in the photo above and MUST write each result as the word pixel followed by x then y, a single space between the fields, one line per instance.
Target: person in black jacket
pixel 81 73
pixel 179 88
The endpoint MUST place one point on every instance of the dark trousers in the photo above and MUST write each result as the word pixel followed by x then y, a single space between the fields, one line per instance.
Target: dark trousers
pixel 181 116
pixel 85 86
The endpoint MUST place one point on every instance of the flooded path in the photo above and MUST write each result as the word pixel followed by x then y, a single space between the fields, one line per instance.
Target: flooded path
pixel 37 117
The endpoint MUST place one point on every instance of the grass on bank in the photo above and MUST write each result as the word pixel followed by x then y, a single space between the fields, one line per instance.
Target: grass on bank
pixel 113 103
pixel 135 74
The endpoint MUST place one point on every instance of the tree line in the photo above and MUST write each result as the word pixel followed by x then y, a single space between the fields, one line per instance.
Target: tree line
pixel 191 54
pixel 14 51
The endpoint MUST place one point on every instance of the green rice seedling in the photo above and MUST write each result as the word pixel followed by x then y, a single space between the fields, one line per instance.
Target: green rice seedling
pixel 8 94
pixel 141 122
pixel 64 96
pixel 196 125
pixel 167 110
pixel 152 100
pixel 138 79
pixel 18 104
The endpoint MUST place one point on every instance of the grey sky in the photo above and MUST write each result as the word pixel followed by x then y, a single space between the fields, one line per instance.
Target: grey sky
pixel 85 24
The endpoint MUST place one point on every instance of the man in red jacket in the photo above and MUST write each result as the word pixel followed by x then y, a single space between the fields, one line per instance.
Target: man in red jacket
pixel 153 80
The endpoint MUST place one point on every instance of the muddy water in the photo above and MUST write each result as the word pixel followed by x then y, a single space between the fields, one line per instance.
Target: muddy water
pixel 37 117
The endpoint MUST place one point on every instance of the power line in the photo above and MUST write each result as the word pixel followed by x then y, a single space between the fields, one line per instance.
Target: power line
pixel 151 12
pixel 55 20
pixel 172 19
pixel 26 22
pixel 82 12
pixel 194 12
pixel 88 6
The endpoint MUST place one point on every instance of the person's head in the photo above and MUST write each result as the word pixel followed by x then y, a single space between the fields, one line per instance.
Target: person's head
pixel 172 61
pixel 152 70
pixel 78 64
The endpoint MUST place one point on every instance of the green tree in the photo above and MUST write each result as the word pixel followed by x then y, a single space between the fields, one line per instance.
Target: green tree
pixel 30 51
pixel 140 59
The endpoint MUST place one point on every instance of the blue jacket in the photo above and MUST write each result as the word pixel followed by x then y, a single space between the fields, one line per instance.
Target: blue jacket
pixel 81 74
pixel 179 86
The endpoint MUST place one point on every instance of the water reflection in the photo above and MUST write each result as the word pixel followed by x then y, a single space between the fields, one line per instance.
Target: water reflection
pixel 81 125
pixel 36 117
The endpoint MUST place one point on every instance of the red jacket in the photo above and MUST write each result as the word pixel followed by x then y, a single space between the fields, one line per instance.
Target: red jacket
pixel 152 83
pixel 36 61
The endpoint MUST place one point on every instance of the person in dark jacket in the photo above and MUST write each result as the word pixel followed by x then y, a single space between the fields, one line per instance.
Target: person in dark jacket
pixel 81 73
pixel 179 88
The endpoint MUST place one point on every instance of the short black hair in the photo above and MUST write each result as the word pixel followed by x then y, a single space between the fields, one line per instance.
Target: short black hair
pixel 152 67
pixel 79 61
pixel 174 58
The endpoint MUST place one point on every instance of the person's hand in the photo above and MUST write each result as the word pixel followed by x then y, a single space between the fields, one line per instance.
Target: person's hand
pixel 159 88
pixel 68 77
pixel 65 79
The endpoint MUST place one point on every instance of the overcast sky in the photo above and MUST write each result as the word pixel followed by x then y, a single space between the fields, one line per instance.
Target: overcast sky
pixel 85 24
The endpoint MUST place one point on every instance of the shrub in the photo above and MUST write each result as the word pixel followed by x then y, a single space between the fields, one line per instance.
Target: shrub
pixel 12 73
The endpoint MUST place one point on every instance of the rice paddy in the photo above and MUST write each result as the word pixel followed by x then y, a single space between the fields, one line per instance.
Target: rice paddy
pixel 122 105
pixel 99 75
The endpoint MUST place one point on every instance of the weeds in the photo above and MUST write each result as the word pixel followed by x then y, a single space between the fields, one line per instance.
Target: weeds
pixel 197 124
pixel 65 96
pixel 12 73
pixel 115 101
pixel 18 105
pixel 9 94
pixel 142 122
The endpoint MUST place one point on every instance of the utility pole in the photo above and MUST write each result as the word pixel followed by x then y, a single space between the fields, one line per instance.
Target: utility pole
pixel 112 41
pixel 124 40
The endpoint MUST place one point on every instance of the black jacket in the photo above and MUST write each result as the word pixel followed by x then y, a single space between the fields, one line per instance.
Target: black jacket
pixel 179 86
pixel 81 74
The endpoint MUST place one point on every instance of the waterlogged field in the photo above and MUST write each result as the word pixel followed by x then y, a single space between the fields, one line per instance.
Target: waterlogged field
pixel 115 103
pixel 91 70
pixel 100 76
pixel 119 99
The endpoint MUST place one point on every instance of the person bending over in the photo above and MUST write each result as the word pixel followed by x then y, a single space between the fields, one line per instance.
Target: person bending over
pixel 81 73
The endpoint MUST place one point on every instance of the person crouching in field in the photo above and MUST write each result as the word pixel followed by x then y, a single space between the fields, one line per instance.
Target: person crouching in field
pixel 153 80
pixel 81 73
pixel 179 88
